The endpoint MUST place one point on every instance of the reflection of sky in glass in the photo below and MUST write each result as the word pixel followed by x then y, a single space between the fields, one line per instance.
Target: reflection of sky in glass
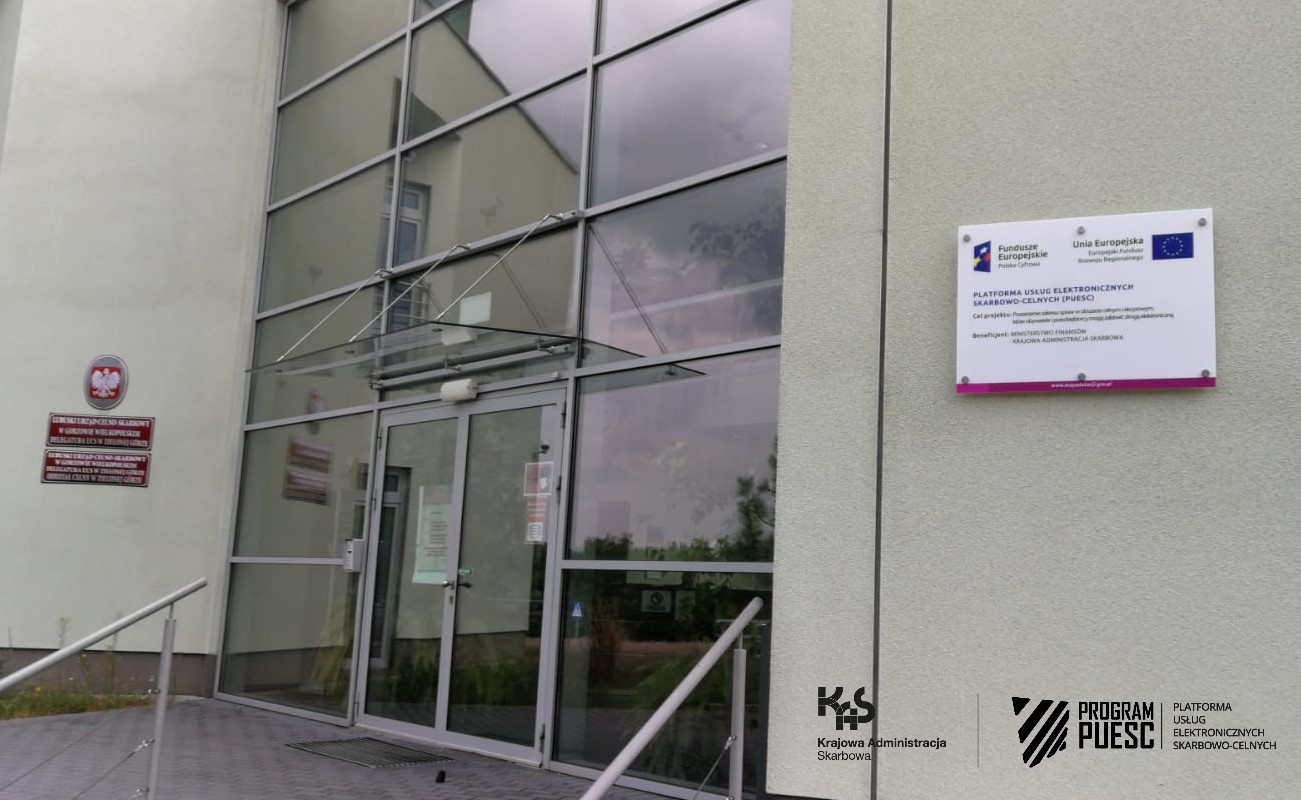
pixel 525 41
pixel 558 114
pixel 625 21
pixel 660 455
pixel 696 269
pixel 701 99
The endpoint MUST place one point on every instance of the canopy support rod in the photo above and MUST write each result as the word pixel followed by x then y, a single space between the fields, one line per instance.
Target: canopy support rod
pixel 627 287
pixel 410 285
pixel 364 283
pixel 504 256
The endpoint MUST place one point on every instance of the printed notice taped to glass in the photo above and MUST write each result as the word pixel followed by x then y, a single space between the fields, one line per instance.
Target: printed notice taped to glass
pixel 1087 304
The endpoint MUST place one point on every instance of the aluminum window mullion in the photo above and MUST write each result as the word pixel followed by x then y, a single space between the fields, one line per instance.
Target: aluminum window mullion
pixel 578 293
pixel 545 381
pixel 493 107
pixel 589 108
pixel 690 182
pixel 717 351
pixel 398 181
pixel 222 604
pixel 335 72
pixel 404 148
pixel 518 97
pixel 417 24
pixel 284 422
pixel 373 161
pixel 288 561
pixel 328 294
pixel 697 18
pixel 409 32
pixel 615 565
pixel 478 247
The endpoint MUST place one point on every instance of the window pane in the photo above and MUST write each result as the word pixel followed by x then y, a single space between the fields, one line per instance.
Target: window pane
pixel 502 172
pixel 483 51
pixel 304 488
pixel 326 240
pixel 339 124
pixel 292 392
pixel 530 291
pixel 701 99
pixel 325 33
pixel 636 636
pixel 678 463
pixel 624 22
pixel 289 635
pixel 695 269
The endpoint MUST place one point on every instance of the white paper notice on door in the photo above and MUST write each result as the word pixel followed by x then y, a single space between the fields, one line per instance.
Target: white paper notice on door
pixel 434 515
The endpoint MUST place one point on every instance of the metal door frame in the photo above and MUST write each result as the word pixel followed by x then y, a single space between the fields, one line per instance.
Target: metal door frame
pixel 535 397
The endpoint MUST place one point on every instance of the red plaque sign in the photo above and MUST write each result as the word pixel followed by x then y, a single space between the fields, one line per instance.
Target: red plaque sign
pixel 107 469
pixel 72 430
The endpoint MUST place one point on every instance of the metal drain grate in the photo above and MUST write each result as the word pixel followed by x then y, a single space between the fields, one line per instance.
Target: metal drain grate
pixel 370 752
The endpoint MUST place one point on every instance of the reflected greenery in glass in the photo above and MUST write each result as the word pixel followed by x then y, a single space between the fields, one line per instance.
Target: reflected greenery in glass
pixel 630 637
pixel 678 462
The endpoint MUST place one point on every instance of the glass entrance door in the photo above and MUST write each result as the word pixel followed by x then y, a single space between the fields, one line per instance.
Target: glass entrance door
pixel 457 567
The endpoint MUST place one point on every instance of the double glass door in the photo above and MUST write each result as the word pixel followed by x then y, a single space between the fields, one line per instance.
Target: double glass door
pixel 455 613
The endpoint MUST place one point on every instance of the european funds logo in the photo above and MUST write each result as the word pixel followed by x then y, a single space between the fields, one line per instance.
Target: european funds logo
pixel 1169 246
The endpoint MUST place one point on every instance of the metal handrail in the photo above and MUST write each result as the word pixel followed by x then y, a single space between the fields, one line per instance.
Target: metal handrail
pixel 98 636
pixel 164 667
pixel 675 699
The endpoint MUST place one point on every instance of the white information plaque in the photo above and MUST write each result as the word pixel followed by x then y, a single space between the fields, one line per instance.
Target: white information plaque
pixel 1087 304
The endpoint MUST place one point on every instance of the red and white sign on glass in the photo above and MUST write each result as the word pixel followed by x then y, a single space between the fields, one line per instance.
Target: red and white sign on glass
pixel 105 383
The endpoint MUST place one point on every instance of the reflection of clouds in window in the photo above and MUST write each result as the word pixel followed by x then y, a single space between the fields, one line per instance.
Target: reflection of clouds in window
pixel 695 269
pixel 701 99
pixel 624 22
pixel 664 457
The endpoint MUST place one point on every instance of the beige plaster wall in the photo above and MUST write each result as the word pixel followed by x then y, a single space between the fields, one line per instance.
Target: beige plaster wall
pixel 823 587
pixel 134 166
pixel 1132 546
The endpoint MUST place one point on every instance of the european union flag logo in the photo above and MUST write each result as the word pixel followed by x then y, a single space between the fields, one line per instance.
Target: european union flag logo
pixel 982 257
pixel 1167 246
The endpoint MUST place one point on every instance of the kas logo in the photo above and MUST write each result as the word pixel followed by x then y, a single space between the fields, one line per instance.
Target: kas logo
pixel 1043 728
pixel 846 715
pixel 981 258
pixel 105 384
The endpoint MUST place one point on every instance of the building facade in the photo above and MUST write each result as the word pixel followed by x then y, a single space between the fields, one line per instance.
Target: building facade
pixel 474 333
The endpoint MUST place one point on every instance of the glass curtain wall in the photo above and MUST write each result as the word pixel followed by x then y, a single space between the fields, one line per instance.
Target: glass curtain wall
pixel 607 169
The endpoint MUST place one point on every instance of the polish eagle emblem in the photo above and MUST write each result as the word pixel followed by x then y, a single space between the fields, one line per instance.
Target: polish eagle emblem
pixel 105 382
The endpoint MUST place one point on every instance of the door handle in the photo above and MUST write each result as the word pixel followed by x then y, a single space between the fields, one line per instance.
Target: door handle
pixel 455 584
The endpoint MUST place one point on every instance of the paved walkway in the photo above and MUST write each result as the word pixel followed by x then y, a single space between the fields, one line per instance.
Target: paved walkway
pixel 221 751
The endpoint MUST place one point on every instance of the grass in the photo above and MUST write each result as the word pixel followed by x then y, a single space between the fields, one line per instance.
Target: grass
pixel 90 693
pixel 42 701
